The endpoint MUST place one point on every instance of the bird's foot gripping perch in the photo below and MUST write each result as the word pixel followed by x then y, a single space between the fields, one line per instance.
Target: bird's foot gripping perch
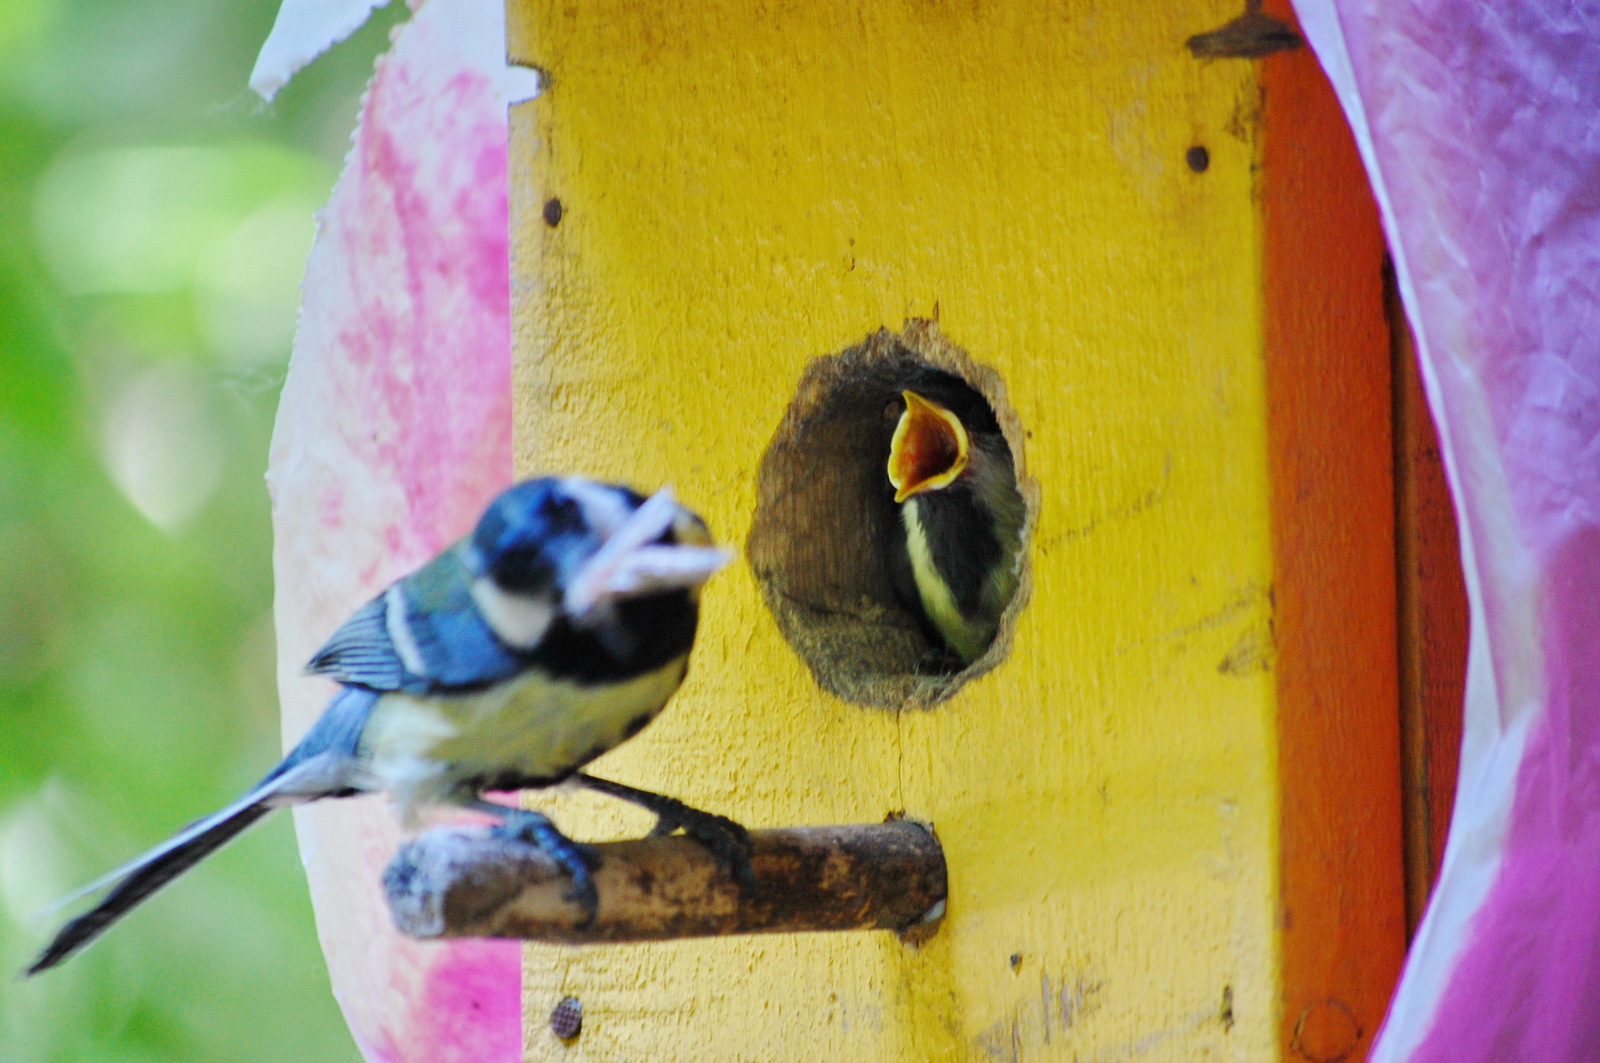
pixel 723 838
pixel 535 828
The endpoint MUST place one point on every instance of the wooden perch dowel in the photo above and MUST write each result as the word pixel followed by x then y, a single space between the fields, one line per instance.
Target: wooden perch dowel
pixel 465 882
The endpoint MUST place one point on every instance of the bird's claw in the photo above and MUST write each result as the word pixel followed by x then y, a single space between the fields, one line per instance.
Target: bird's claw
pixel 584 895
pixel 725 839
pixel 578 861
pixel 722 837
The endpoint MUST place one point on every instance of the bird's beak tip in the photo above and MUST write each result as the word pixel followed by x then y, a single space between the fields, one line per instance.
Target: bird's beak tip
pixel 716 558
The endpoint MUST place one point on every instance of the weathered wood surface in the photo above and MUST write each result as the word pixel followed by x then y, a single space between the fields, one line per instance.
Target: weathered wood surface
pixel 466 882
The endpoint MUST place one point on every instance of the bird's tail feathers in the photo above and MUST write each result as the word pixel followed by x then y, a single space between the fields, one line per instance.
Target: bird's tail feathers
pixel 137 880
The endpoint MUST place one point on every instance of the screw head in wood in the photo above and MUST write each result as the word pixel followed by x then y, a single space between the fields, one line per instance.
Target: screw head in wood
pixel 566 1018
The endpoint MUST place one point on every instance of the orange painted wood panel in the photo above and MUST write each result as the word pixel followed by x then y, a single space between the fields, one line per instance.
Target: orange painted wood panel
pixel 1342 885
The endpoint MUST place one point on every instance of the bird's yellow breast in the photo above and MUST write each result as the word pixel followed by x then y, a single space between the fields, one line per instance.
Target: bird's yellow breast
pixel 421 748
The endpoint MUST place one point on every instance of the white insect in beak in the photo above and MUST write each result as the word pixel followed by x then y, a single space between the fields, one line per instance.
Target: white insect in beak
pixel 630 565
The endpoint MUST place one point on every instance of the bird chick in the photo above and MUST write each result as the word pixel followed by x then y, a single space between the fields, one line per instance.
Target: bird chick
pixel 553 632
pixel 960 513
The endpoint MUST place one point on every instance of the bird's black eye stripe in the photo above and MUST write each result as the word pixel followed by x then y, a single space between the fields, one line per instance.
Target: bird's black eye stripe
pixel 524 569
pixel 564 513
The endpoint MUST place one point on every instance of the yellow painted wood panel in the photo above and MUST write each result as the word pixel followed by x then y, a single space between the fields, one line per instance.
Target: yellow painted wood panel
pixel 749 186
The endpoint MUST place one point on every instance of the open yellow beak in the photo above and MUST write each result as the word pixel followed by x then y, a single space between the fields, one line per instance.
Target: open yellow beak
pixel 929 449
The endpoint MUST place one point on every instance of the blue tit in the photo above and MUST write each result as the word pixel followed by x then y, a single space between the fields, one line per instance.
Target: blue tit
pixel 556 630
pixel 961 515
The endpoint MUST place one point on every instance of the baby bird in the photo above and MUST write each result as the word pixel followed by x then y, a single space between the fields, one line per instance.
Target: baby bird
pixel 960 513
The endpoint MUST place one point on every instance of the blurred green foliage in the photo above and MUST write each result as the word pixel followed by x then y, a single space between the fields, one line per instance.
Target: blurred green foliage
pixel 154 221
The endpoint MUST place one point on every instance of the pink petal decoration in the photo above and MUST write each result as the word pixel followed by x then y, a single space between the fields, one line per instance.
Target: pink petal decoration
pixel 1480 127
pixel 394 431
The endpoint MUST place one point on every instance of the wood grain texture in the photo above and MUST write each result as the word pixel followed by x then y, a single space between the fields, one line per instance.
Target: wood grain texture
pixel 472 883
pixel 1433 621
pixel 1328 395
pixel 745 188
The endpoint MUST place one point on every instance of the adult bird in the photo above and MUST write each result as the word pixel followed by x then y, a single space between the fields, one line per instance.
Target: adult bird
pixel 961 514
pixel 554 631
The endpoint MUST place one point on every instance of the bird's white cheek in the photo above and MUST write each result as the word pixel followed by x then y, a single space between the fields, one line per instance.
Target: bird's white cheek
pixel 518 620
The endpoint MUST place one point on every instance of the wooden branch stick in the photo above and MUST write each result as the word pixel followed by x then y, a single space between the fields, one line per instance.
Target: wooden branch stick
pixel 463 882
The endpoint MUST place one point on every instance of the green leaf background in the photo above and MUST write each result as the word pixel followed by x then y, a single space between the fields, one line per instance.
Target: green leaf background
pixel 154 221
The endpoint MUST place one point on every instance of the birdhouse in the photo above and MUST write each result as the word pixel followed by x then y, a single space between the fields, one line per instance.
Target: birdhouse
pixel 1169 792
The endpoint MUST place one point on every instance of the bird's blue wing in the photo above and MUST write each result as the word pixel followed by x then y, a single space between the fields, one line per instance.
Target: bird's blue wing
pixel 462 653
pixel 361 653
pixel 445 643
